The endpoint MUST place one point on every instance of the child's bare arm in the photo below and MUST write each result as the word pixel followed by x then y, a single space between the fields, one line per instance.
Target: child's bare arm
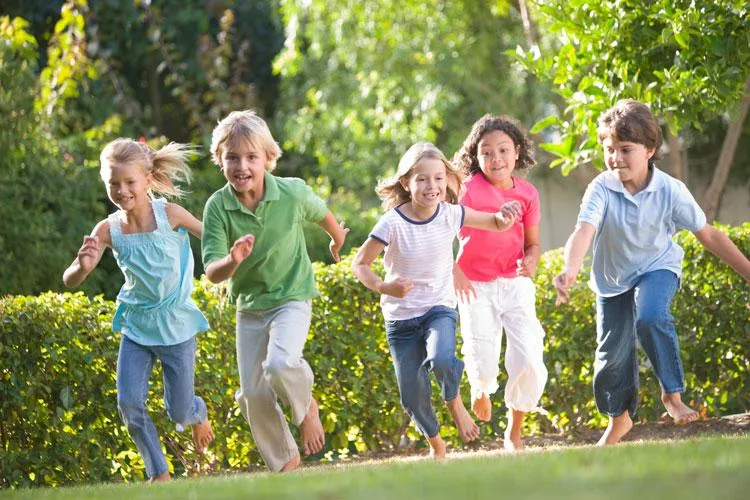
pixel 336 231
pixel 719 244
pixel 180 217
pixel 499 221
pixel 575 250
pixel 88 255
pixel 532 251
pixel 362 269
pixel 224 268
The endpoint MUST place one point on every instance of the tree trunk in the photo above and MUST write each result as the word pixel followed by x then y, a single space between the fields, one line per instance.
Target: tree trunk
pixel 712 197
pixel 528 25
pixel 677 163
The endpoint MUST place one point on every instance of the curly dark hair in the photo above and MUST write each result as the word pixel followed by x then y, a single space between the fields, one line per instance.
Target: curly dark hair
pixel 466 159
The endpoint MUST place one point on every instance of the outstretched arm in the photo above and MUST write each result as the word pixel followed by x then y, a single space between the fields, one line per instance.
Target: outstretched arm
pixel 719 244
pixel 499 221
pixel 224 268
pixel 88 256
pixel 362 269
pixel 575 250
pixel 336 231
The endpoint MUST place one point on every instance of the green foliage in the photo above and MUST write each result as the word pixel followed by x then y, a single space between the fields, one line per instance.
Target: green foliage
pixel 58 417
pixel 362 81
pixel 687 60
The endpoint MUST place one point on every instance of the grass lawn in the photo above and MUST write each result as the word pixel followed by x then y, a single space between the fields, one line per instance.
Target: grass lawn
pixel 716 468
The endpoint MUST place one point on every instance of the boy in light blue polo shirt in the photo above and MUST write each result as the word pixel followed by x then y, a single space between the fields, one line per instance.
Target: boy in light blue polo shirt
pixel 631 211
pixel 253 237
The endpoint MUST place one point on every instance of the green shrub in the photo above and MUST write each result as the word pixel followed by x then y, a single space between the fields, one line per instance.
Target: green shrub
pixel 58 410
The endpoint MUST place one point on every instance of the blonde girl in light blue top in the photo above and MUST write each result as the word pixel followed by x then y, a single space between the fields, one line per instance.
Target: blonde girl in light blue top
pixel 155 313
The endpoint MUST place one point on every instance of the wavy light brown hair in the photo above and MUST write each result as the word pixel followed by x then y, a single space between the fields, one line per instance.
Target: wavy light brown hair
pixel 466 158
pixel 393 193
pixel 167 165
pixel 631 121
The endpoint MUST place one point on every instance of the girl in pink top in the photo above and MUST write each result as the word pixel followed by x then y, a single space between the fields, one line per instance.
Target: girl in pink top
pixel 493 275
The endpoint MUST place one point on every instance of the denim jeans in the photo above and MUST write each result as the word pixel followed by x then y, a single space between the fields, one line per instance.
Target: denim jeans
pixel 420 346
pixel 641 312
pixel 134 366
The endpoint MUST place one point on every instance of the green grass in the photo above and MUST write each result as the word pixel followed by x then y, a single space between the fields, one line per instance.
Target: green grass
pixel 707 468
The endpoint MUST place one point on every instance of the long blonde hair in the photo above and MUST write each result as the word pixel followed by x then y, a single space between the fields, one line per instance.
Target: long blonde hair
pixel 167 165
pixel 393 193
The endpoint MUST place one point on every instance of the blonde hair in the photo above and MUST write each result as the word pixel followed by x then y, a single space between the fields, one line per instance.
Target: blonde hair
pixel 393 193
pixel 244 126
pixel 166 165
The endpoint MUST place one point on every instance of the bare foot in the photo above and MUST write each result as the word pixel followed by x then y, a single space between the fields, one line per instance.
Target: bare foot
pixel 291 464
pixel 467 429
pixel 512 438
pixel 203 434
pixel 482 407
pixel 617 428
pixel 160 479
pixel 437 447
pixel 679 411
pixel 313 437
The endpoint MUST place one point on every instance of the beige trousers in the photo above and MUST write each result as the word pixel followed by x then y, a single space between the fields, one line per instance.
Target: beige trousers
pixel 272 370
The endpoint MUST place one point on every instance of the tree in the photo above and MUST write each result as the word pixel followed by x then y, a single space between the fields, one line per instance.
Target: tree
pixel 690 61
pixel 362 81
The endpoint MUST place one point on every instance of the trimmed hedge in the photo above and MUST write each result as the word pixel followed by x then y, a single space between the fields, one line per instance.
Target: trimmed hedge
pixel 58 411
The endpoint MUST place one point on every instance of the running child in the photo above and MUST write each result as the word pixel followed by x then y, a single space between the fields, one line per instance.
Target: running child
pixel 254 239
pixel 155 314
pixel 417 297
pixel 494 275
pixel 630 212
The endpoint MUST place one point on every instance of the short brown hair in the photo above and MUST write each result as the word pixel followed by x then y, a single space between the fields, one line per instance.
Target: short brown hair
pixel 631 121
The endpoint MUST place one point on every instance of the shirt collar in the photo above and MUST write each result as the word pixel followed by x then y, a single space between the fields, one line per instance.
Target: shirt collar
pixel 230 201
pixel 613 183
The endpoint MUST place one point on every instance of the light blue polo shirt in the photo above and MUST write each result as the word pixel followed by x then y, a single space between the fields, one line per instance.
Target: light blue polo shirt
pixel 634 232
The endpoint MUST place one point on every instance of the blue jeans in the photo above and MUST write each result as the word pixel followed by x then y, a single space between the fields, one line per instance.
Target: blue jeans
pixel 641 312
pixel 134 365
pixel 420 346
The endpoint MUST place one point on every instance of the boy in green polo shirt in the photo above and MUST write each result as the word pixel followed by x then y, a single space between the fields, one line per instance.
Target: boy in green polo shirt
pixel 252 236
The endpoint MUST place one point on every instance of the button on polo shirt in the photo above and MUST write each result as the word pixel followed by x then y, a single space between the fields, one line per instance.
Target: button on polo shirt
pixel 278 269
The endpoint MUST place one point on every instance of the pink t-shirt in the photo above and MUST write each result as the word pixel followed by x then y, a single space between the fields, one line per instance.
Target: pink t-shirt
pixel 486 255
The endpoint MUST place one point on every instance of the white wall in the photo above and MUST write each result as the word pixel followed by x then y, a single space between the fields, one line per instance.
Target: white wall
pixel 560 198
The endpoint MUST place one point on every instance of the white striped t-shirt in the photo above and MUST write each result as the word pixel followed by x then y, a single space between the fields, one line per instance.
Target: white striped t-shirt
pixel 421 251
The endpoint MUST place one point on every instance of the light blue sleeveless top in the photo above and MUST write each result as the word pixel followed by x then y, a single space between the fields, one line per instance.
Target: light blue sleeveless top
pixel 154 306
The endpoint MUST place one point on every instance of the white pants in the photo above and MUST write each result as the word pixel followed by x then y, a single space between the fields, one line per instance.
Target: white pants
pixel 272 369
pixel 504 304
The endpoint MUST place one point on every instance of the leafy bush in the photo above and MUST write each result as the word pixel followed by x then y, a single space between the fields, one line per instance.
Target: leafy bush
pixel 58 411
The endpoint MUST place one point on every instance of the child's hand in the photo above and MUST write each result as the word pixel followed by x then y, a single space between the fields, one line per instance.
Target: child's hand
pixel 507 215
pixel 88 254
pixel 397 288
pixel 563 282
pixel 526 266
pixel 242 248
pixel 462 285
pixel 335 246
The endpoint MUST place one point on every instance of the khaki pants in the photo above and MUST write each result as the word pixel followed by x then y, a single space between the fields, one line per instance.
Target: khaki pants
pixel 271 368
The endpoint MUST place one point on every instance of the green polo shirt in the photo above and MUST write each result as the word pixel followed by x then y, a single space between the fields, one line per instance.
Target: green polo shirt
pixel 278 269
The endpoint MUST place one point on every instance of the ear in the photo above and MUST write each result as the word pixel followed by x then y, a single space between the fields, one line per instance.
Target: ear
pixel 518 152
pixel 404 184
pixel 650 152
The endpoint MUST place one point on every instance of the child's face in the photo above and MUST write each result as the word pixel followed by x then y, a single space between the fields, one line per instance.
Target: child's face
pixel 497 155
pixel 427 183
pixel 127 186
pixel 244 165
pixel 628 160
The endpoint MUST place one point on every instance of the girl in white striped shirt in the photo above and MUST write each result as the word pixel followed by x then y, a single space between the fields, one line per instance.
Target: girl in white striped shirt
pixel 418 300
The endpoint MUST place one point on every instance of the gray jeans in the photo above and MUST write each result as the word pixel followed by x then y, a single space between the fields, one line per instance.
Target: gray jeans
pixel 271 367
